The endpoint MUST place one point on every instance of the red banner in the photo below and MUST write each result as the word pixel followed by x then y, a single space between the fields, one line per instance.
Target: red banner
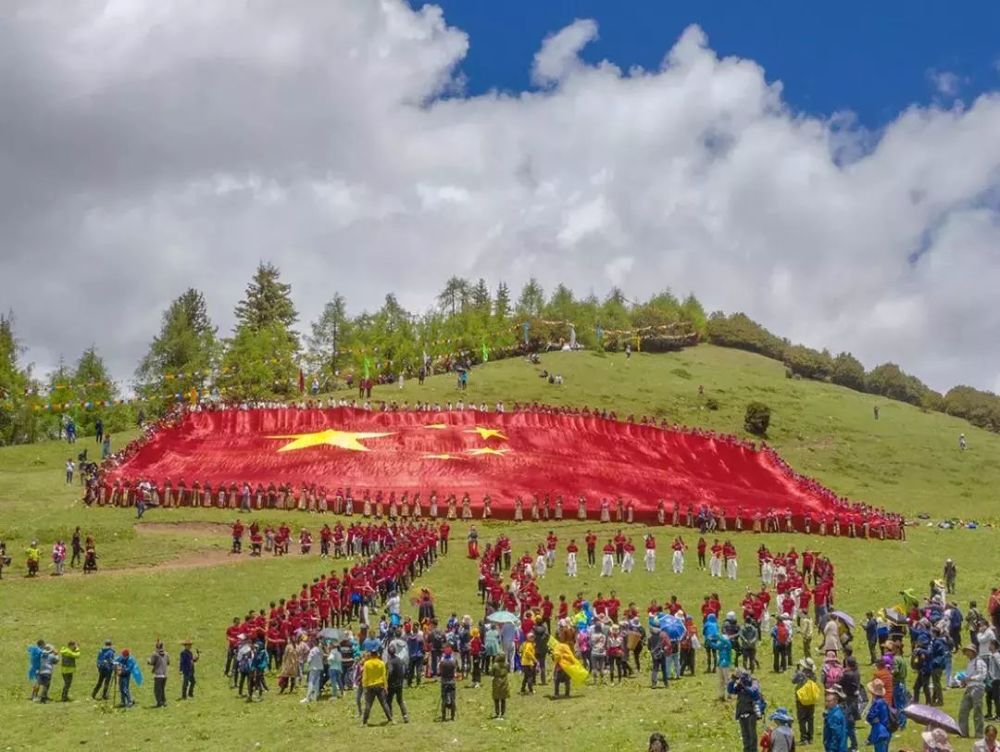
pixel 503 455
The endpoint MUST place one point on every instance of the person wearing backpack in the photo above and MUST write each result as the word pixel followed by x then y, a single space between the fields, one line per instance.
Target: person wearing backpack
pixel 105 670
pixel 808 695
pixel 748 641
pixel 781 640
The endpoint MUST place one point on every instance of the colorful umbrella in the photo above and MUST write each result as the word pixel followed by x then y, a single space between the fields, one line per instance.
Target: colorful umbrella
pixel 934 717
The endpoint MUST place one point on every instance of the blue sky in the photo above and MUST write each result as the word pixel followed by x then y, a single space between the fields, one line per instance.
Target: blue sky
pixel 873 58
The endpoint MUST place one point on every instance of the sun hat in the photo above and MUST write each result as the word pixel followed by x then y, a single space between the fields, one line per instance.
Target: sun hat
pixel 807 663
pixel 937 740
pixel 876 687
pixel 781 715
pixel 837 690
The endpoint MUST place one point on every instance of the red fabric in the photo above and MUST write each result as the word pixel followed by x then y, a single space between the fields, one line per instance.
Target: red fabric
pixel 546 453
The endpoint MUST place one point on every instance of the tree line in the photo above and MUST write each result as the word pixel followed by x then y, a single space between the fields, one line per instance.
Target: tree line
pixel 266 355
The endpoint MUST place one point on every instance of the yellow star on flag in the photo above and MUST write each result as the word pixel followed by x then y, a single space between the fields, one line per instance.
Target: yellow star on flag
pixel 488 433
pixel 440 457
pixel 438 426
pixel 486 450
pixel 330 437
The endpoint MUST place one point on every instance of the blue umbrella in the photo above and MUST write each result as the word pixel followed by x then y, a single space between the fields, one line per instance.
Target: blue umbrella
pixel 503 617
pixel 371 645
pixel 673 626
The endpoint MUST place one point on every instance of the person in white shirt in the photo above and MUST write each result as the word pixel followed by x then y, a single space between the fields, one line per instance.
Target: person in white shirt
pixel 975 687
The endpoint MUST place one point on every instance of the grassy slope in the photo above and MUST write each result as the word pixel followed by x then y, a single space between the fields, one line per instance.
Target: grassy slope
pixel 907 461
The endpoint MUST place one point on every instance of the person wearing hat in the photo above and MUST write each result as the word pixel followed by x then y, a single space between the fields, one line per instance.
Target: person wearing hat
pixel 747 702
pixel 936 740
pixel 878 717
pixel 782 737
pixel 105 670
pixel 125 667
pixel 188 659
pixel 975 688
pixel 834 721
pixel 808 694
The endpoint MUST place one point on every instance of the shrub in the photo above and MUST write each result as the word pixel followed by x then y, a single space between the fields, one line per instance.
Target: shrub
pixel 712 403
pixel 757 418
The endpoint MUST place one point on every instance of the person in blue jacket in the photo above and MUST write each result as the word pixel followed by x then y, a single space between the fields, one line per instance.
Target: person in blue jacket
pixel 940 656
pixel 723 650
pixel 105 670
pixel 834 721
pixel 127 669
pixel 878 717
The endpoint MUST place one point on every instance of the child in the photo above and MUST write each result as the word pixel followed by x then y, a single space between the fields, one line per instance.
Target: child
pixel 501 688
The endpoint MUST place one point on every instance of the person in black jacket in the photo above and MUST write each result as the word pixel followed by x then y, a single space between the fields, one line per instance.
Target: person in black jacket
pixel 447 671
pixel 396 677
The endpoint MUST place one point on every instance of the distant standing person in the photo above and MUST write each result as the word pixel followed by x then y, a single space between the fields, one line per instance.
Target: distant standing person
pixel 628 351
pixel 961 441
pixel 68 656
pixel 159 660
pixel 950 575
pixel 69 470
pixel 99 430
pixel 875 410
pixel 106 446
pixel 188 659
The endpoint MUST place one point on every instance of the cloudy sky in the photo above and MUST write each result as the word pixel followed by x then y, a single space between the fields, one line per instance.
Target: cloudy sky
pixel 148 147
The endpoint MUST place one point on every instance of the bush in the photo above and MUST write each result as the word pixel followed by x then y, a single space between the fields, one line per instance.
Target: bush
pixel 712 403
pixel 757 418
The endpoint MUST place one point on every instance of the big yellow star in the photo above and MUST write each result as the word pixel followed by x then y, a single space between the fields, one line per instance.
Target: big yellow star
pixel 440 457
pixel 438 426
pixel 488 433
pixel 486 450
pixel 330 437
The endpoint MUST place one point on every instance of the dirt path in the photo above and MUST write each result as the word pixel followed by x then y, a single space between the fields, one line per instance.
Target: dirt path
pixel 210 557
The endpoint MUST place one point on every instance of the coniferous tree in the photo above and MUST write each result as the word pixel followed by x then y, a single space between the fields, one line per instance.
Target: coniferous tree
pixel 268 302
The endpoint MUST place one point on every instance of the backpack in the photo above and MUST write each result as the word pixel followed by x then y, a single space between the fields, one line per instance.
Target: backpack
pixel 765 740
pixel 809 694
pixel 832 674
pixel 782 633
pixel 893 722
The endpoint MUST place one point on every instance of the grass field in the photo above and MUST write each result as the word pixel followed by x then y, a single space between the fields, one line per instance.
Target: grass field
pixel 169 576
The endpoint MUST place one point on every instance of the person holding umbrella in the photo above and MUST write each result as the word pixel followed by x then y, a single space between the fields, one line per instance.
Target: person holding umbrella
pixel 936 740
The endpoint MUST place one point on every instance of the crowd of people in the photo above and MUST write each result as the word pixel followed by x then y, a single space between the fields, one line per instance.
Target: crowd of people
pixel 106 486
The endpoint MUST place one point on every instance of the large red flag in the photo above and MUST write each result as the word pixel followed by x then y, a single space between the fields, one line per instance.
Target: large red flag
pixel 504 455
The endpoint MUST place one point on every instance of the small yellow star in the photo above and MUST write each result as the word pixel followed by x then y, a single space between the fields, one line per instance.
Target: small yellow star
pixel 343 439
pixel 487 450
pixel 488 433
pixel 440 457
pixel 438 426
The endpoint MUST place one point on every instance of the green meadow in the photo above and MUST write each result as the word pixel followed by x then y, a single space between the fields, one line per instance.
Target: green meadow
pixel 169 576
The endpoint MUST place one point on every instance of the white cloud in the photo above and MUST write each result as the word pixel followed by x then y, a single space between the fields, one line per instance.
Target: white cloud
pixel 945 83
pixel 143 152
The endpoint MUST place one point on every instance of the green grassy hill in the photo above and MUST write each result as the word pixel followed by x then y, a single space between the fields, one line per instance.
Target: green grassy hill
pixel 170 577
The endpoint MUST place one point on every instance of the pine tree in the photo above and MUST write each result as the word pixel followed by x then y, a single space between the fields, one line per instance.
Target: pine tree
pixel 17 417
pixel 330 334
pixel 181 356
pixel 268 302
pixel 501 306
pixel 455 295
pixel 481 297
pixel 532 300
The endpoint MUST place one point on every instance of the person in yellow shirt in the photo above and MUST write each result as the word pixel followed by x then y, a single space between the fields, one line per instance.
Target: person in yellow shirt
pixel 68 656
pixel 529 662
pixel 374 680
pixel 34 556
